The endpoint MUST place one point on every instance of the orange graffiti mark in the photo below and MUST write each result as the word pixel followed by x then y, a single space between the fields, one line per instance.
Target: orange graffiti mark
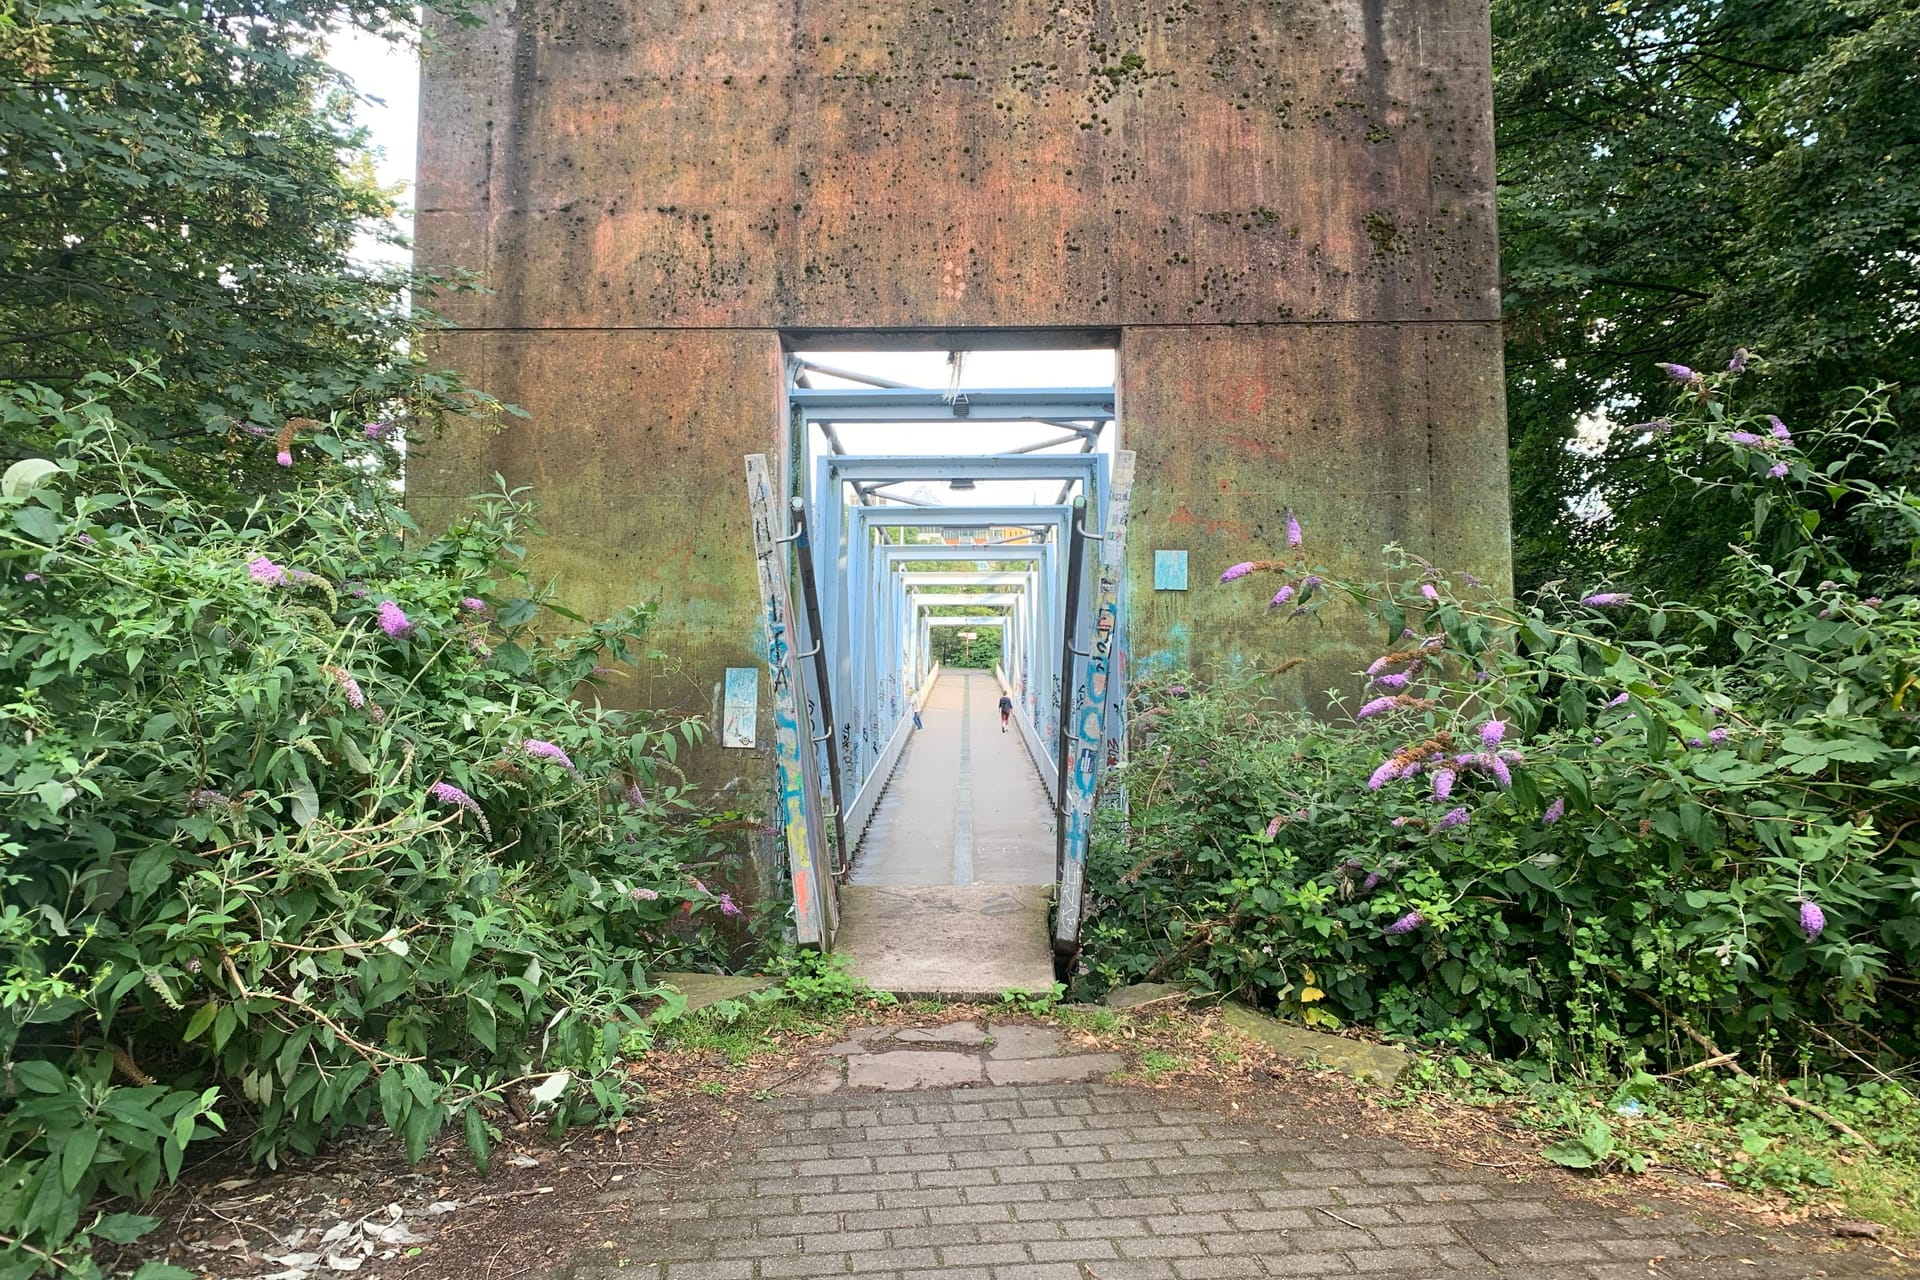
pixel 1183 514
pixel 1258 448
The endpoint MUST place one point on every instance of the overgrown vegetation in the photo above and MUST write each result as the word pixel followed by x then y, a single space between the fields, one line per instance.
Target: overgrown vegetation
pixel 1603 833
pixel 306 825
pixel 1699 177
pixel 184 185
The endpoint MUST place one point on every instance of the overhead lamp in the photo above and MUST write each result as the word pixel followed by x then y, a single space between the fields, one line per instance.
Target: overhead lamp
pixel 963 483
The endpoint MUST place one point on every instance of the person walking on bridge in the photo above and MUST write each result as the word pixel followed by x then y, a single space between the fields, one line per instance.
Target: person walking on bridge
pixel 1006 711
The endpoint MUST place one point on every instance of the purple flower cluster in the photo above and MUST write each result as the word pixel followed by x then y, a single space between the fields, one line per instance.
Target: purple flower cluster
pixel 1606 599
pixel 1407 923
pixel 546 751
pixel 1443 783
pixel 635 796
pixel 1812 919
pixel 1427 589
pixel 349 687
pixel 1281 596
pixel 284 457
pixel 1680 373
pixel 1778 471
pixel 447 793
pixel 266 572
pixel 473 604
pixel 1780 431
pixel 1240 570
pixel 1273 828
pixel 1618 700
pixel 377 430
pixel 1492 731
pixel 1738 364
pixel 1293 529
pixel 207 798
pixel 393 621
pixel 1555 811
pixel 1384 774
pixel 1375 707
pixel 728 907
pixel 1455 817
pixel 1717 736
pixel 1746 438
pixel 1391 680
pixel 642 895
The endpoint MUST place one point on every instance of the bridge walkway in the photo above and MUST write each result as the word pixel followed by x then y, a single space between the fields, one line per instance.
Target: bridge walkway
pixel 951 884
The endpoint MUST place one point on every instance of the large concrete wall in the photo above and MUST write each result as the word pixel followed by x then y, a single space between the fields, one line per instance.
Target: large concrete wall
pixel 1283 209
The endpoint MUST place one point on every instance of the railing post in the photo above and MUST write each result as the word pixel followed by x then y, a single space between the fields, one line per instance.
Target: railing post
pixel 1070 637
pixel 810 605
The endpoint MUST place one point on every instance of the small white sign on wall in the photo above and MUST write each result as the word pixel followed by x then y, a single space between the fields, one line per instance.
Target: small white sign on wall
pixel 741 708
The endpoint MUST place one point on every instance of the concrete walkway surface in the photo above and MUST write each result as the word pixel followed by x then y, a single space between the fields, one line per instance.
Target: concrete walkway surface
pixel 952 883
pixel 964 805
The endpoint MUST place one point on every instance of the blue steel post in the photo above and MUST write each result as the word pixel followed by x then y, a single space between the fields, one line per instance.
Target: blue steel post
pixel 1070 638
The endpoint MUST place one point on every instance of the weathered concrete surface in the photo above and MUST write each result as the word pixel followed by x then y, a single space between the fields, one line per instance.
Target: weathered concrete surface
pixel 1358 1058
pixel 1372 434
pixel 840 164
pixel 703 989
pixel 1283 211
pixel 633 452
pixel 1144 993
pixel 947 940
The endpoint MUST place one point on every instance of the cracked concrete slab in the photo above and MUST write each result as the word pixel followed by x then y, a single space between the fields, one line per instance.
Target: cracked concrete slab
pixel 912 1069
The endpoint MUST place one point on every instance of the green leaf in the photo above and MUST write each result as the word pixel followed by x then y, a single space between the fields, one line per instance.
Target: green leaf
pixel 38 523
pixel 124 1228
pixel 39 1075
pixel 478 1144
pixel 24 476
pixel 155 1270
pixel 202 1019
pixel 304 803
pixel 76 1155
pixel 1571 1153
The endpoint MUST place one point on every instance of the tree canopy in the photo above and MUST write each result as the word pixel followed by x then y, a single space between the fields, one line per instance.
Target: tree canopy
pixel 180 188
pixel 1685 181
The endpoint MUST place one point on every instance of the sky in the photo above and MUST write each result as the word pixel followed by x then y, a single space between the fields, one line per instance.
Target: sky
pixel 389 75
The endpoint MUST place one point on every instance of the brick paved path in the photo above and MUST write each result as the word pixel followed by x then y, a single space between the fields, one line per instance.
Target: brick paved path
pixel 1103 1182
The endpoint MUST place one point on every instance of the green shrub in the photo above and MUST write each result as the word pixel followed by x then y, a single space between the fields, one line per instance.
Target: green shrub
pixel 1584 829
pixel 305 826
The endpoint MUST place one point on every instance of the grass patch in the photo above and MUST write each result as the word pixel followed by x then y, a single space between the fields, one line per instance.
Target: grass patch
pixel 1722 1129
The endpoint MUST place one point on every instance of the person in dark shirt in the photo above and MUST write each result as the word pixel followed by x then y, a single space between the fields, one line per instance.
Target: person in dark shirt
pixel 1006 711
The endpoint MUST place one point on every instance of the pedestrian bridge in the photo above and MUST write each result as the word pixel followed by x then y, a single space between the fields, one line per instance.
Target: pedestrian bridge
pixel 947 858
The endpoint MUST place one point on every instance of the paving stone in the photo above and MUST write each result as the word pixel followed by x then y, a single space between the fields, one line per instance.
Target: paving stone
pixel 951 1033
pixel 1018 1040
pixel 904 1069
pixel 1081 1066
pixel 961 1183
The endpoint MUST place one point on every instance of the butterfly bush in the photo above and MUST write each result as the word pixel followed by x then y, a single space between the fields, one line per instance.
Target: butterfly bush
pixel 310 889
pixel 1606 810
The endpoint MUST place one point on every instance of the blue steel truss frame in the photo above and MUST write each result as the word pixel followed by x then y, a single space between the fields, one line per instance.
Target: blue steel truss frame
pixel 875 619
